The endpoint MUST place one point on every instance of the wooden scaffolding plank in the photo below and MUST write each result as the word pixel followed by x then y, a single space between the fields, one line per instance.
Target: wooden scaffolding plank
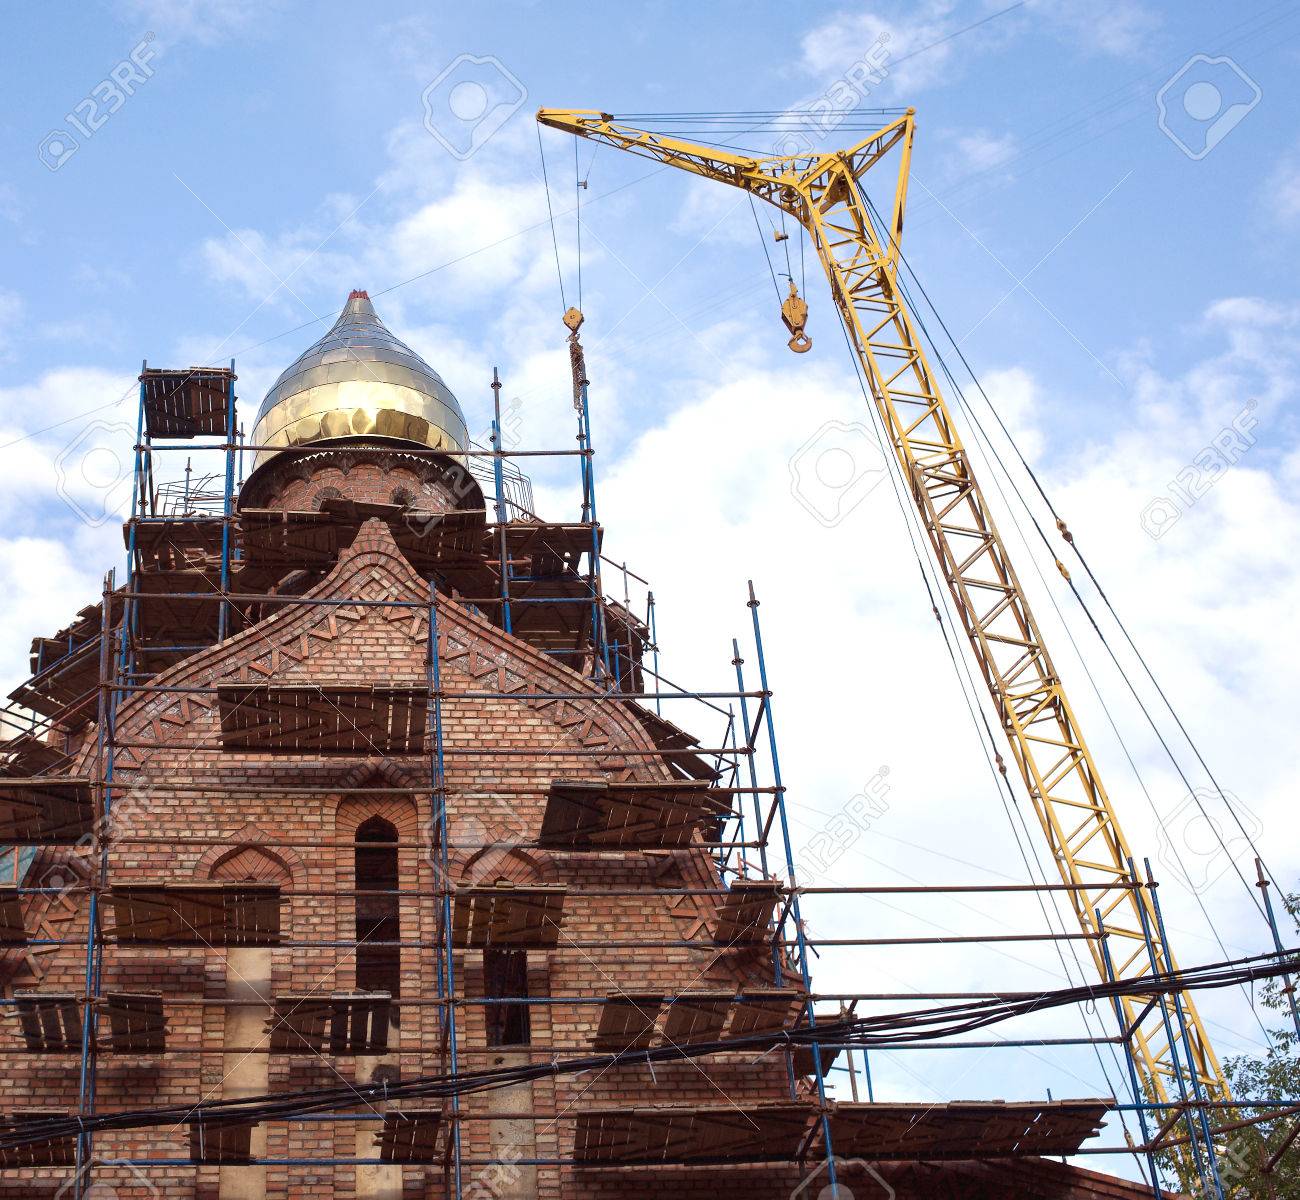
pixel 49 1152
pixel 44 811
pixel 271 537
pixel 354 1023
pixel 663 1136
pixel 765 1010
pixel 50 1022
pixel 508 914
pixel 696 1017
pixel 627 1021
pixel 410 1136
pixel 196 914
pixel 12 930
pixel 186 403
pixel 597 814
pixel 226 1142
pixel 359 720
pixel 745 914
pixel 965 1129
pixel 136 1023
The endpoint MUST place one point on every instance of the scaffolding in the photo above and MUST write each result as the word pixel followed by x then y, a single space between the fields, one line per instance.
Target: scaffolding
pixel 200 570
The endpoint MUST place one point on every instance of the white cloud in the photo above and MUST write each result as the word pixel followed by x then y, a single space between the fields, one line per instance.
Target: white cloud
pixel 982 151
pixel 1281 194
pixel 1122 28
pixel 833 46
pixel 11 315
pixel 207 22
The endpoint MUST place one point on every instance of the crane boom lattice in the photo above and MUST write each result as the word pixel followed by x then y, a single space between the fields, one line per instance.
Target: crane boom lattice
pixel 824 192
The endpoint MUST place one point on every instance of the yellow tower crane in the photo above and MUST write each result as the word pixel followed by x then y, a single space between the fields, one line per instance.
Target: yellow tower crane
pixel 824 193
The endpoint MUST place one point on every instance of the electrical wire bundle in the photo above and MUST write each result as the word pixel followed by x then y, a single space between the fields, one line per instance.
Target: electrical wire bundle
pixel 864 1032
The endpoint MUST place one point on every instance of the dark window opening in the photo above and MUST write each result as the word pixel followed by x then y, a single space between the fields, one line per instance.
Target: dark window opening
pixel 505 974
pixel 379 966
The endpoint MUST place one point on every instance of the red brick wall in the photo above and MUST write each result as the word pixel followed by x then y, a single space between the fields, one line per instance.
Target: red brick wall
pixel 501 755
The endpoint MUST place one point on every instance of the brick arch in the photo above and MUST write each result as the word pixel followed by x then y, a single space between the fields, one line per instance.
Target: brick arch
pixel 251 838
pixel 399 811
pixel 501 861
pixel 251 863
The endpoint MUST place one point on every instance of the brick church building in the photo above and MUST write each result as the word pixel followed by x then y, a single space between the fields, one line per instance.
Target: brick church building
pixel 350 801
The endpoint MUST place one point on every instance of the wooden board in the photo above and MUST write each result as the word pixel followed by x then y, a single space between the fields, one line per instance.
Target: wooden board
pixel 186 403
pixel 627 1021
pixel 596 814
pixel 356 720
pixel 661 1136
pixel 341 1024
pixel 745 914
pixel 410 1136
pixel 196 914
pixel 50 1022
pixel 136 1023
pixel 508 915
pixel 44 811
pixel 964 1130
pixel 221 1142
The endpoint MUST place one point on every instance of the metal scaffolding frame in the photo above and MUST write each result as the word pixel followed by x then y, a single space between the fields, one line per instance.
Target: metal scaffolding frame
pixel 749 845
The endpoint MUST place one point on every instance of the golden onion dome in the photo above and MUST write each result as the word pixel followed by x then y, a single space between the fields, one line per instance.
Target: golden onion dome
pixel 358 382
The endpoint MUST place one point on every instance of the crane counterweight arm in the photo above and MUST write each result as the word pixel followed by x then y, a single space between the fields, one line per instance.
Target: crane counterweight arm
pixel 824 193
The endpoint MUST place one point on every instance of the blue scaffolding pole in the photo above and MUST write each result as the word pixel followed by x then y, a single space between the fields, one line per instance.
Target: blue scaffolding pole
pixel 765 711
pixel 446 964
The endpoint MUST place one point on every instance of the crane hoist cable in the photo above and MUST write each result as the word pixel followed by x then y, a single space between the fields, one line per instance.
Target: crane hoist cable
pixel 550 212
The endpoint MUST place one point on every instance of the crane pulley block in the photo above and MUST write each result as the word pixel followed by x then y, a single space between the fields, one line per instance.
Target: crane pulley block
pixel 794 312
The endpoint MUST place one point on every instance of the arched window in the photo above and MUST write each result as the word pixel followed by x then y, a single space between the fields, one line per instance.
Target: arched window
pixel 379 965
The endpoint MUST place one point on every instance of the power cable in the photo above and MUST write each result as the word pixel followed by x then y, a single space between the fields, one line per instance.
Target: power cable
pixel 913 1026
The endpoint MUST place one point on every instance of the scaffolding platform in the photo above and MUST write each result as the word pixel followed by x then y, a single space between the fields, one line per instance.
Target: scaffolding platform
pixel 594 814
pixel 50 1022
pixel 620 1137
pixel 136 1023
pixel 965 1130
pixel 351 1024
pixel 508 914
pixel 195 914
pixel 628 1021
pixel 631 1020
pixel 227 1143
pixel 187 403
pixel 337 719
pixel 745 914
pixel 13 931
pixel 176 543
pixel 45 811
pixel 411 1136
pixel 48 1152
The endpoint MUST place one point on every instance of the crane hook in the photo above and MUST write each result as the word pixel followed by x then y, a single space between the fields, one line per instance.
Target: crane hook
pixel 794 312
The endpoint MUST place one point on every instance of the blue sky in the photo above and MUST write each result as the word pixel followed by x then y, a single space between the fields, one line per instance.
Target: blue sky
pixel 1124 298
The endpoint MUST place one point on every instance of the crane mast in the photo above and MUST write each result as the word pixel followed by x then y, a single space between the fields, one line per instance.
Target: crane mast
pixel 823 192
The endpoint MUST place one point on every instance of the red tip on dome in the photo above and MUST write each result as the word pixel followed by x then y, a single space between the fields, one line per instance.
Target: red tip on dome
pixel 356 294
